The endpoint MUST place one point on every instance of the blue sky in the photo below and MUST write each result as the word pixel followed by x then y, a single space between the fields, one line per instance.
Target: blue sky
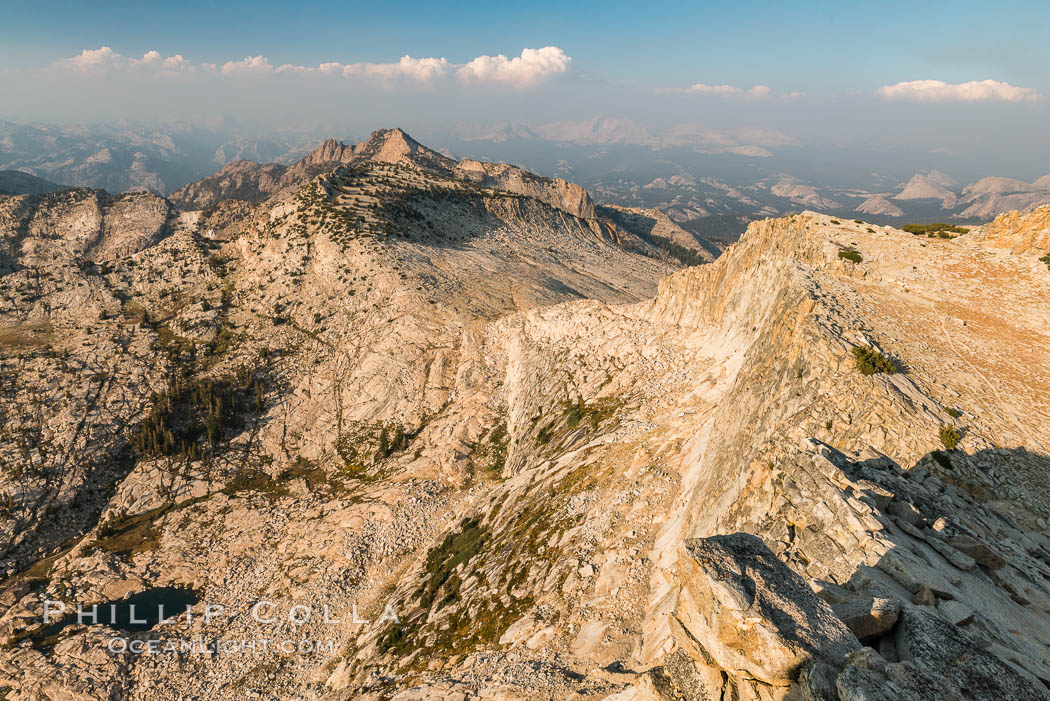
pixel 790 45
pixel 897 73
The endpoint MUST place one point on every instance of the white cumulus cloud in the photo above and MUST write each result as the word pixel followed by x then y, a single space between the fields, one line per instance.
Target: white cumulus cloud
pixel 532 66
pixel 106 59
pixel 93 59
pixel 973 91
pixel 249 64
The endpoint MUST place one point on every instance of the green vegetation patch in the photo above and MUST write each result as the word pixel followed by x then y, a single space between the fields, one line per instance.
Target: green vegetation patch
pixel 126 535
pixel 851 254
pixel 457 549
pixel 1046 259
pixel 870 361
pixel 591 415
pixel 950 437
pixel 576 415
pixel 936 229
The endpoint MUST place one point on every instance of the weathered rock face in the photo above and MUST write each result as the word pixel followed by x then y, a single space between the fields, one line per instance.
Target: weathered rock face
pixel 995 197
pixel 1016 232
pixel 654 225
pixel 753 628
pixel 241 180
pixel 924 187
pixel 330 151
pixel 556 192
pixel 868 617
pixel 395 146
pixel 466 403
pixel 88 224
pixel 751 614
pixel 928 641
pixel 879 205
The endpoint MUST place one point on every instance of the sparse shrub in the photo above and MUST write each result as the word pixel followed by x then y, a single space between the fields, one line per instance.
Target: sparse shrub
pixel 949 437
pixel 835 221
pixel 851 254
pixel 857 221
pixel 870 361
pixel 940 229
pixel 1046 259
pixel 953 412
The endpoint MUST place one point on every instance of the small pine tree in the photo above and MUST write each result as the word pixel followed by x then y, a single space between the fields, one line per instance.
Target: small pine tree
pixel 870 361
pixel 949 437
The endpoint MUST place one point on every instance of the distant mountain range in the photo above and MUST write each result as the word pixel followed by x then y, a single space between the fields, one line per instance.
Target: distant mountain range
pixel 120 158
pixel 717 181
pixel 707 180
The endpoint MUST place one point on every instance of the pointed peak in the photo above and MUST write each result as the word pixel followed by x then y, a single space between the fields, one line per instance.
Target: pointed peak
pixel 396 146
pixel 390 145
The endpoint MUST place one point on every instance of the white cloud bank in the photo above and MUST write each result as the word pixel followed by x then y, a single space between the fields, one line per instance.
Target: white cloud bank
pixel 524 71
pixel 973 91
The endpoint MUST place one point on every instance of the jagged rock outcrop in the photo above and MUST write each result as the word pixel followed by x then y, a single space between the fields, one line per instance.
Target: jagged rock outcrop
pixel 330 151
pixel 657 227
pixel 556 192
pixel 395 146
pixel 241 180
pixel 752 628
pixel 746 611
pixel 1017 232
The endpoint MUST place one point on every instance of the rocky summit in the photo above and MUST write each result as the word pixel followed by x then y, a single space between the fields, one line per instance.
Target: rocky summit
pixel 387 425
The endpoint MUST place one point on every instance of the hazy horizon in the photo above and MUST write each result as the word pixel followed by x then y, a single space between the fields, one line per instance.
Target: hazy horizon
pixel 950 91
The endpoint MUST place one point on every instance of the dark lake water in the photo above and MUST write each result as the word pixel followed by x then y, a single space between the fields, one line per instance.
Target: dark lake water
pixel 136 613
